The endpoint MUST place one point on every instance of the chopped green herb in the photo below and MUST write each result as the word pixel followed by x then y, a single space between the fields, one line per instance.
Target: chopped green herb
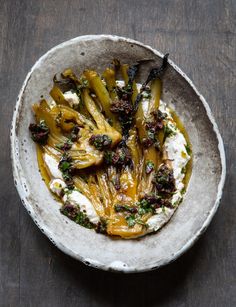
pixel 73 212
pixel 149 167
pixel 65 146
pixel 188 149
pixel 83 220
pixel 168 131
pixel 100 141
pixel 65 166
pixel 110 121
pixel 131 220
pixel 108 155
pixel 121 157
pixel 145 206
pixel 142 211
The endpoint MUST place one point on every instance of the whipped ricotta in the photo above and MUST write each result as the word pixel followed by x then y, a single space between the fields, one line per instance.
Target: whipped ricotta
pixel 52 166
pixel 175 146
pixel 72 99
pixel 57 186
pixel 156 221
pixel 78 199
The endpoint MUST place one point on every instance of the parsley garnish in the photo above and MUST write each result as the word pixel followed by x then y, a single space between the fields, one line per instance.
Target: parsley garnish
pixel 149 167
pixel 65 166
pixel 64 146
pixel 168 131
pixel 100 141
pixel 188 149
pixel 131 221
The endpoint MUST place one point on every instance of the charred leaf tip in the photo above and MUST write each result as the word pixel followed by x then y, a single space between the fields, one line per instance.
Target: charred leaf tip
pixel 165 58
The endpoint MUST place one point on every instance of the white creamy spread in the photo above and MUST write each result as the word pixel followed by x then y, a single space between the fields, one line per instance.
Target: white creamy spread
pixel 52 166
pixel 72 99
pixel 156 221
pixel 145 103
pixel 78 199
pixel 176 152
pixel 57 186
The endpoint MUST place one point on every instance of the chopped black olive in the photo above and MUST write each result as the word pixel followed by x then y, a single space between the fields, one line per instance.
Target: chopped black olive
pixel 39 132
pixel 124 108
pixel 125 208
pixel 73 212
pixel 157 201
pixel 121 157
pixel 121 106
pixel 70 210
pixel 74 133
pixel 101 226
pixel 164 179
pixel 147 142
pixel 65 146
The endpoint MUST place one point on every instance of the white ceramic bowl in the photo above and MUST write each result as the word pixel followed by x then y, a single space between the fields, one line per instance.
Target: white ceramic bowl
pixel 205 187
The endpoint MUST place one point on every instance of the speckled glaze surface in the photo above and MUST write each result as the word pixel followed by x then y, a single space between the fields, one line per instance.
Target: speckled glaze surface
pixel 205 188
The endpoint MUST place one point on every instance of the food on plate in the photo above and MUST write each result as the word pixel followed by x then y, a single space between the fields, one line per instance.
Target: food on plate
pixel 111 151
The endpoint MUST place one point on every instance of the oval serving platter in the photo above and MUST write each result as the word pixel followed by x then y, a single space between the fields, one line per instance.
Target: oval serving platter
pixel 201 200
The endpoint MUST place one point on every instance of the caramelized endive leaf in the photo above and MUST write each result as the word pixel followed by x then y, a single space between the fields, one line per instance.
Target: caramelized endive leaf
pixel 103 126
pixel 101 92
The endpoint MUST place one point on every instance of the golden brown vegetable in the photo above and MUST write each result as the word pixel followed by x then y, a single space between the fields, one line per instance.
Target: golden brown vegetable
pixel 109 145
pixel 101 92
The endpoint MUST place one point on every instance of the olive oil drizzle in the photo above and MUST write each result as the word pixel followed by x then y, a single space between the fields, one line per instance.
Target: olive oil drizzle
pixel 189 166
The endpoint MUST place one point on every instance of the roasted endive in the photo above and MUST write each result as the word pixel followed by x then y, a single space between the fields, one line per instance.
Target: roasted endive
pixel 111 151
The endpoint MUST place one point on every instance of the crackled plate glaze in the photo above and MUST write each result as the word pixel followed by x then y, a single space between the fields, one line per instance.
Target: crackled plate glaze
pixel 205 188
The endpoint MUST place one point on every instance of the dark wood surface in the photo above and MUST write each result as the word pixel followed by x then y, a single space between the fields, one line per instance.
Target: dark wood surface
pixel 200 37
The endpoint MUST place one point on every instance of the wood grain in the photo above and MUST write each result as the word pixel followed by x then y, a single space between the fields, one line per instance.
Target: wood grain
pixel 200 37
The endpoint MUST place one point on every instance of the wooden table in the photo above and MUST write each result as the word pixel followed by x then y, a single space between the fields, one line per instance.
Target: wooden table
pixel 200 37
